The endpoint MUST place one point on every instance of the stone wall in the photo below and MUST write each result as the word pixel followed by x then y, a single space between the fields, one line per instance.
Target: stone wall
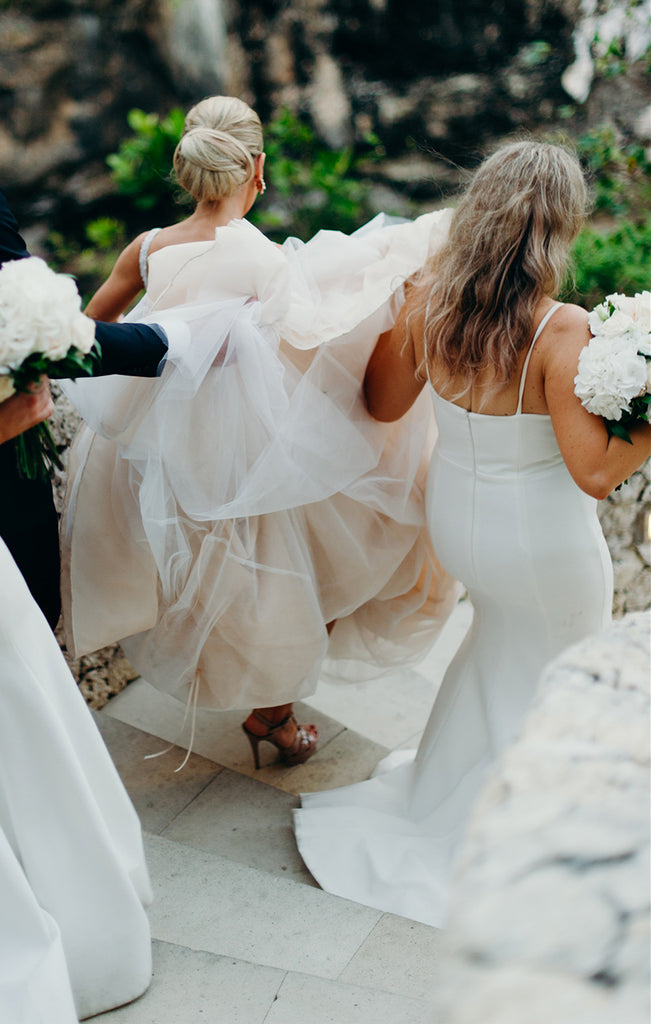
pixel 624 520
pixel 550 912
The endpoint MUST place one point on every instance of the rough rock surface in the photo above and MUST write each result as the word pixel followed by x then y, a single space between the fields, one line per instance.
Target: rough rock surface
pixel 624 520
pixel 550 913
pixel 436 82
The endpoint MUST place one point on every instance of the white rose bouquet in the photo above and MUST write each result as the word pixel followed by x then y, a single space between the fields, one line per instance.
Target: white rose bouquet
pixel 614 378
pixel 42 331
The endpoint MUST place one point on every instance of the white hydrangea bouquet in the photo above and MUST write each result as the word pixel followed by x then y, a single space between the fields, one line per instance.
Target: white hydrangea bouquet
pixel 614 378
pixel 42 331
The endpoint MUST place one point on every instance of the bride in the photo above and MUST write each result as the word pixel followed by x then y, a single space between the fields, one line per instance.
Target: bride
pixel 243 516
pixel 520 462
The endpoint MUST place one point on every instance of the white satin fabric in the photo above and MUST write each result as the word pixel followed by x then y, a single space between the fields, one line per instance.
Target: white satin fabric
pixel 515 528
pixel 218 517
pixel 74 937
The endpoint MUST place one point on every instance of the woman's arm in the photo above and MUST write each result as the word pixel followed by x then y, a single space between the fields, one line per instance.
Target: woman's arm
pixel 391 384
pixel 121 286
pixel 597 462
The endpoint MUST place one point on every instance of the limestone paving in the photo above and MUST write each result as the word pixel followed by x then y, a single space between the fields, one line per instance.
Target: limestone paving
pixel 241 933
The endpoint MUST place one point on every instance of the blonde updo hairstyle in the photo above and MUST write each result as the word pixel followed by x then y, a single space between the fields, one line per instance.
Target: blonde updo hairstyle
pixel 216 154
pixel 508 247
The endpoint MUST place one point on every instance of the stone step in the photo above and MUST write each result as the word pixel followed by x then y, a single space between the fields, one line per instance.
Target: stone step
pixel 221 810
pixel 240 931
pixel 196 987
pixel 242 935
pixel 343 755
pixel 209 902
pixel 358 722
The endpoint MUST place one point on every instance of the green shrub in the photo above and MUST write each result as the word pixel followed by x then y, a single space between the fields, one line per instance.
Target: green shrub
pixel 612 261
pixel 310 186
pixel 142 166
pixel 620 171
pixel 613 253
pixel 90 264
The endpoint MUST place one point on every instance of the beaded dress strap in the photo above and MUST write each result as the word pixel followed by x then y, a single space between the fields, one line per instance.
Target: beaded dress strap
pixel 144 253
pixel 525 367
pixel 429 379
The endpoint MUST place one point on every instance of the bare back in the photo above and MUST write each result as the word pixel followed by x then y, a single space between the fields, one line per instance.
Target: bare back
pixel 503 399
pixel 125 281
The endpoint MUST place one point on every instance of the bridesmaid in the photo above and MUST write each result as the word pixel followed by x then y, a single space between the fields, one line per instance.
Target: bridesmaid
pixel 511 508
pixel 74 937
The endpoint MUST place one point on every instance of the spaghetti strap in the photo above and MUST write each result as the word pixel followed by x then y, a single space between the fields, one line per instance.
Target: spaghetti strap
pixel 144 253
pixel 525 367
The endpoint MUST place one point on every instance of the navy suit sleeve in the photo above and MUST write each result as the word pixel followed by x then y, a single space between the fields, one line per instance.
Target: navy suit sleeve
pixel 131 350
pixel 135 350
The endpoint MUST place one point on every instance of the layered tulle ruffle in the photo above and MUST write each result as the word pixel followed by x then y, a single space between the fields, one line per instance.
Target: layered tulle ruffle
pixel 220 516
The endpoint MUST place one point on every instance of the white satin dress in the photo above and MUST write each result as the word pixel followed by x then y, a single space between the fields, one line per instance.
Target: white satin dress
pixel 219 517
pixel 508 520
pixel 74 935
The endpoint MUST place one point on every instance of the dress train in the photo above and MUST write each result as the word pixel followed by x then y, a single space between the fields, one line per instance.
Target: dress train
pixel 526 542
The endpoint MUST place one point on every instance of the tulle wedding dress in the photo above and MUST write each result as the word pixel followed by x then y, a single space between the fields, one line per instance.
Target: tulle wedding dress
pixel 74 937
pixel 516 529
pixel 219 517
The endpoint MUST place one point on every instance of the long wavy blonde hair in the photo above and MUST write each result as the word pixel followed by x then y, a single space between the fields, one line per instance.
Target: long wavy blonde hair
pixel 508 246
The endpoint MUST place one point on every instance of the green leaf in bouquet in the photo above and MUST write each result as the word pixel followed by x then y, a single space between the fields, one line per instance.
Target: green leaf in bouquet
pixel 641 408
pixel 74 364
pixel 617 430
pixel 37 455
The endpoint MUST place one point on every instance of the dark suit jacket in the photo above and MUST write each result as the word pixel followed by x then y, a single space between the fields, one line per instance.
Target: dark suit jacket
pixel 28 521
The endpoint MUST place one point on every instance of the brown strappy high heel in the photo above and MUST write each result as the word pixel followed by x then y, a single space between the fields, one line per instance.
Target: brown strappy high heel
pixel 299 750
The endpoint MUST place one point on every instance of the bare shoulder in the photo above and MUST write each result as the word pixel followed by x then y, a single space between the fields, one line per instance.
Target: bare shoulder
pixel 122 285
pixel 569 318
pixel 131 253
pixel 414 309
pixel 565 334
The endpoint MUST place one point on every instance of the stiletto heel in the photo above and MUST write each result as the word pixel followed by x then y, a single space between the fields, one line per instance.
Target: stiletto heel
pixel 297 751
pixel 254 741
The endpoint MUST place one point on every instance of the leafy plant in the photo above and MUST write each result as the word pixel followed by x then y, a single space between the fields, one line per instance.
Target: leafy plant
pixel 621 171
pixel 615 260
pixel 89 264
pixel 311 186
pixel 141 168
pixel 105 233
pixel 613 252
